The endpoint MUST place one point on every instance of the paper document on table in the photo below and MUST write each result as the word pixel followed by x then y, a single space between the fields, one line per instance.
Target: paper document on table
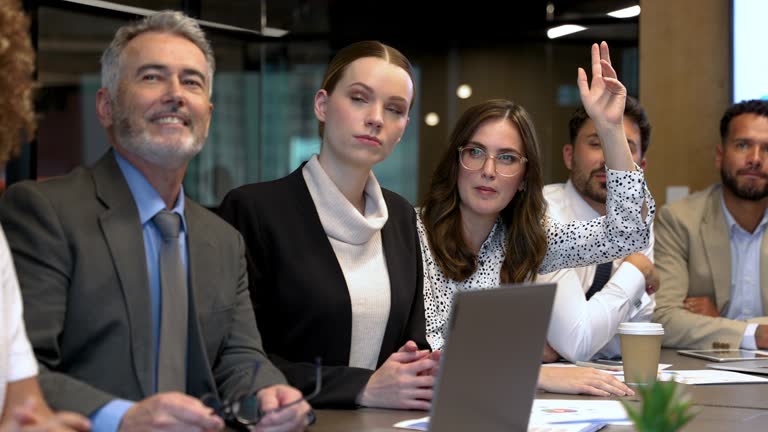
pixel 419 424
pixel 558 415
pixel 562 411
pixel 708 376
pixel 422 424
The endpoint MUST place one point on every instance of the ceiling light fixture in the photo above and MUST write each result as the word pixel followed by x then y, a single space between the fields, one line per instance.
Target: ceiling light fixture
pixel 464 91
pixel 629 12
pixel 432 119
pixel 556 32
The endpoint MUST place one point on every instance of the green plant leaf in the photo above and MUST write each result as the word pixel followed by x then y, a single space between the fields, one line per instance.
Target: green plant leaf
pixel 665 407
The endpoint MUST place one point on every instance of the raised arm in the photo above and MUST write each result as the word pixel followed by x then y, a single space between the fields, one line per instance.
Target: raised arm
pixel 604 99
pixel 630 208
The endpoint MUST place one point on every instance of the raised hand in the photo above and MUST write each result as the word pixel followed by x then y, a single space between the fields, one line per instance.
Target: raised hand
pixel 604 98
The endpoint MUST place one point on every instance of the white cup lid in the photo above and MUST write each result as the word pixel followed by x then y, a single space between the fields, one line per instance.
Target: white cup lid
pixel 641 328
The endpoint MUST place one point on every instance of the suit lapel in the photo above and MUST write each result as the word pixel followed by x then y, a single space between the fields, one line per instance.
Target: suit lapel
pixel 123 233
pixel 334 283
pixel 200 246
pixel 717 246
pixel 389 242
pixel 306 206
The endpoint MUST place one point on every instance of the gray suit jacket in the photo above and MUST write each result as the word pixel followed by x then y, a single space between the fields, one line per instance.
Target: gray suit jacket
pixel 79 252
pixel 693 258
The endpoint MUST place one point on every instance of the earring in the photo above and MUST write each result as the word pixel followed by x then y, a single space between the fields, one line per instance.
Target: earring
pixel 522 187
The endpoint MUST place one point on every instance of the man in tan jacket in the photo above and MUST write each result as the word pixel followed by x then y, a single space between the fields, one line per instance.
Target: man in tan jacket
pixel 711 248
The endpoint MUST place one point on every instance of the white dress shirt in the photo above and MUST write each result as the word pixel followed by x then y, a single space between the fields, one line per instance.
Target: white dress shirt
pixel 581 329
pixel 17 361
pixel 746 301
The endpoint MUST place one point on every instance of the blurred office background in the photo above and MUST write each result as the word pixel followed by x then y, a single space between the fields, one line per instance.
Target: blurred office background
pixel 271 55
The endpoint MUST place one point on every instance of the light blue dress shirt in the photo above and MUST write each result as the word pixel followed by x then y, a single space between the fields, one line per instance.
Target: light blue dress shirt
pixel 746 300
pixel 149 203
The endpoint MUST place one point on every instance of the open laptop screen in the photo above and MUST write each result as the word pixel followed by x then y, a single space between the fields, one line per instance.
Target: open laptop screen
pixel 491 360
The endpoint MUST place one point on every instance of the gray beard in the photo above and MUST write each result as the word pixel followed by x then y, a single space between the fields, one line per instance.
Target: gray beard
pixel 170 156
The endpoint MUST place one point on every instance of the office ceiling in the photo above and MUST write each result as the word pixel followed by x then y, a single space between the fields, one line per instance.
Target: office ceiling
pixel 415 22
pixel 70 39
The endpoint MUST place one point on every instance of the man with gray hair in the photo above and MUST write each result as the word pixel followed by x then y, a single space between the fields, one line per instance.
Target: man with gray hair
pixel 137 297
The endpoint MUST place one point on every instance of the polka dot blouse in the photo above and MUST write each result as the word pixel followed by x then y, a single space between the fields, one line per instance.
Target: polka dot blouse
pixel 621 232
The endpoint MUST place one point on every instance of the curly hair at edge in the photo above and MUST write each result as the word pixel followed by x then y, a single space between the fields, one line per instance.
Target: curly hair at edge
pixel 522 217
pixel 17 63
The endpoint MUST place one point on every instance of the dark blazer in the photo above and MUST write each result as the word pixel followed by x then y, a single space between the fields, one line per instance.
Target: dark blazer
pixel 299 292
pixel 79 252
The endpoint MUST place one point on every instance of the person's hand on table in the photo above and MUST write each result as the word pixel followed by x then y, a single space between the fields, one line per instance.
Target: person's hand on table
pixel 581 380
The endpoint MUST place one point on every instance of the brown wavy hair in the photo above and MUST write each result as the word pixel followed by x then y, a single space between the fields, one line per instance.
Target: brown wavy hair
pixel 356 51
pixel 526 242
pixel 17 65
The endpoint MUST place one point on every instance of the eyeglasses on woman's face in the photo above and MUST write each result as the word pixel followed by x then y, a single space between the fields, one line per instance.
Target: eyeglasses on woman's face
pixel 507 164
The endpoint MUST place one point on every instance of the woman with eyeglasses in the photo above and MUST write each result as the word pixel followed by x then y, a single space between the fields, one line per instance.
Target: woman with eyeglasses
pixel 334 259
pixel 483 221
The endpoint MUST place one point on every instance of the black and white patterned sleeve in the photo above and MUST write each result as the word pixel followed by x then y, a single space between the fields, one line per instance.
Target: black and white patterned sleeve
pixel 621 232
pixel 437 293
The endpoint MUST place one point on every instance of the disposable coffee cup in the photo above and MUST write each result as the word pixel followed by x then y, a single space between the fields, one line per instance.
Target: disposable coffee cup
pixel 640 351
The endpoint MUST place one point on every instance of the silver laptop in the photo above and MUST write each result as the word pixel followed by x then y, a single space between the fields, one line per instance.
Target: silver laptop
pixel 490 363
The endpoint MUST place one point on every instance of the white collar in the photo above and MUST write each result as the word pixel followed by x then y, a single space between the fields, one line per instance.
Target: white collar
pixel 340 219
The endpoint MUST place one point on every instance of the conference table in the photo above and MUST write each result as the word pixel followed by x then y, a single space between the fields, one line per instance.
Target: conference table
pixel 721 407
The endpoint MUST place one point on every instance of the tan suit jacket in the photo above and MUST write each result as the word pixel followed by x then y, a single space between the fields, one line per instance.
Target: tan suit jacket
pixel 693 258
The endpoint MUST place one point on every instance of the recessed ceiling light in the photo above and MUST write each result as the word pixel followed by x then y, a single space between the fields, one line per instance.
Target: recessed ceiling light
pixel 432 119
pixel 629 12
pixel 464 91
pixel 556 32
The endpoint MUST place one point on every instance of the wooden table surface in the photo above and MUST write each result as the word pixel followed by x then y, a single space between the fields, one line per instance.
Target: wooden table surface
pixel 732 407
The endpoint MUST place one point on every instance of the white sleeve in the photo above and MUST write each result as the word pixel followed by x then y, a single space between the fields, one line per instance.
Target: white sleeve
pixel 621 232
pixel 21 360
pixel 643 313
pixel 748 341
pixel 580 328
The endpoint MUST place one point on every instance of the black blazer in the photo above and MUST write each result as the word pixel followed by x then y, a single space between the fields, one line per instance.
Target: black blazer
pixel 299 292
pixel 79 252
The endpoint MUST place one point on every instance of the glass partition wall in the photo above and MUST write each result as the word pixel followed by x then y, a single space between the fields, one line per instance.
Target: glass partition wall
pixel 263 124
pixel 270 63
